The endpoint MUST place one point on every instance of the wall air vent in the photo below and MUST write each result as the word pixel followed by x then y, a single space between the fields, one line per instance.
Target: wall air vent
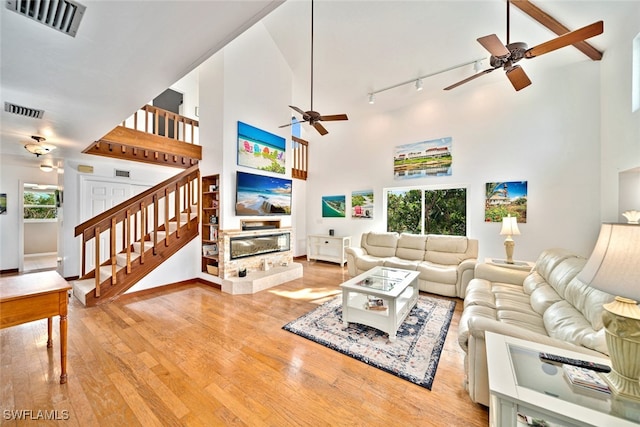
pixel 23 111
pixel 61 15
pixel 123 174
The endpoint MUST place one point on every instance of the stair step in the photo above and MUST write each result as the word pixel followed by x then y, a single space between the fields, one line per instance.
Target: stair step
pixel 121 258
pixel 183 216
pixel 82 288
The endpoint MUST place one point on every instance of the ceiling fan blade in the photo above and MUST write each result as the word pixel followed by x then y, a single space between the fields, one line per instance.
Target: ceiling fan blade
pixel 566 39
pixel 518 77
pixel 297 109
pixel 334 117
pixel 468 79
pixel 493 44
pixel 320 128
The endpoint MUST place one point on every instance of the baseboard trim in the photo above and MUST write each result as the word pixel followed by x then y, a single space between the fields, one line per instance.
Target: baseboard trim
pixel 149 291
pixel 9 272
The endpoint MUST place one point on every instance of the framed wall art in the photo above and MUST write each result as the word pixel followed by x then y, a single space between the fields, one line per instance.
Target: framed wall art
pixel 423 159
pixel 505 198
pixel 334 206
pixel 259 149
pixel 362 204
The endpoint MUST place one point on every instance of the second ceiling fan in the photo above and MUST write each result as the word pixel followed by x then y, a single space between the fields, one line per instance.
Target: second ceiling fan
pixel 313 117
pixel 506 56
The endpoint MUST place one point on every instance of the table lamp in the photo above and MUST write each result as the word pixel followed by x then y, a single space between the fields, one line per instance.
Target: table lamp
pixel 509 228
pixel 613 267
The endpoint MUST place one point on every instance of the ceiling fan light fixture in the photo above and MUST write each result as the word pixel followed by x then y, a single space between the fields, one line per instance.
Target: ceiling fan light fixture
pixel 38 147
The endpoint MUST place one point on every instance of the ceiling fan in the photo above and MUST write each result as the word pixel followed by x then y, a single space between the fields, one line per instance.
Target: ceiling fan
pixel 506 56
pixel 313 117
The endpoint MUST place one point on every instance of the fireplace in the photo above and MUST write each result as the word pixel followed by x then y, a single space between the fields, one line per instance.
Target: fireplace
pixel 247 246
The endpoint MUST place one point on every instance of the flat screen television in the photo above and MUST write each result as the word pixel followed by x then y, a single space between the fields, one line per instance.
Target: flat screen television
pixel 260 195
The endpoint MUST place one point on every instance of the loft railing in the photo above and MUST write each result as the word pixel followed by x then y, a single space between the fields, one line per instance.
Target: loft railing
pixel 161 122
pixel 138 220
pixel 300 158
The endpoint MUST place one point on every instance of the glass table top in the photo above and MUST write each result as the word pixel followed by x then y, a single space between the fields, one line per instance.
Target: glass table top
pixel 534 374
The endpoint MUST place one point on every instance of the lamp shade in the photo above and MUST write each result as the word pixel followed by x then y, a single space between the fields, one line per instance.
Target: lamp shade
pixel 510 226
pixel 614 264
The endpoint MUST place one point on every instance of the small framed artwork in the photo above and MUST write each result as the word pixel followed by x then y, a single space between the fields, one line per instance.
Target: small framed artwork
pixel 3 203
pixel 505 198
pixel 423 159
pixel 362 204
pixel 334 206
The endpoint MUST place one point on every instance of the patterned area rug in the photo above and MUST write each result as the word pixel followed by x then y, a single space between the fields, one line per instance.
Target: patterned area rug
pixel 413 356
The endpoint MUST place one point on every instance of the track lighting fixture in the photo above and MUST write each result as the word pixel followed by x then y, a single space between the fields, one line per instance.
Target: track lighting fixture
pixel 419 81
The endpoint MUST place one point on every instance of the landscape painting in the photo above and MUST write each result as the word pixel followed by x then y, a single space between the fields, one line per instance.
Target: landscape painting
pixel 362 204
pixel 423 159
pixel 334 206
pixel 504 199
pixel 259 149
pixel 262 195
pixel 3 203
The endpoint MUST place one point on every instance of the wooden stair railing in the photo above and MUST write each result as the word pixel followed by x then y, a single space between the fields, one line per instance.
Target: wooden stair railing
pixel 144 221
pixel 300 158
pixel 152 135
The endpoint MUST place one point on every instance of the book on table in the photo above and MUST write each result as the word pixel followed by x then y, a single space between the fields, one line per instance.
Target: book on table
pixel 585 379
pixel 375 303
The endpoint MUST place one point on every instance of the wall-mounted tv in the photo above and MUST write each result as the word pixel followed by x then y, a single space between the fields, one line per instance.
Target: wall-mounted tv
pixel 262 195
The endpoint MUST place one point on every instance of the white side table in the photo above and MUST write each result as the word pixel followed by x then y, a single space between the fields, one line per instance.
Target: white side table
pixel 324 247
pixel 521 385
pixel 517 265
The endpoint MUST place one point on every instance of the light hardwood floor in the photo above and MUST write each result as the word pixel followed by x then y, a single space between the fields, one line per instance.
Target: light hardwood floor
pixel 191 355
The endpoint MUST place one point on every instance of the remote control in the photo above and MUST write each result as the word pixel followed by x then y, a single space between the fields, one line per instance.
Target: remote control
pixel 554 358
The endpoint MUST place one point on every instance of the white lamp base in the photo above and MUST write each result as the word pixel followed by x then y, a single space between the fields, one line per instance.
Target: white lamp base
pixel 509 244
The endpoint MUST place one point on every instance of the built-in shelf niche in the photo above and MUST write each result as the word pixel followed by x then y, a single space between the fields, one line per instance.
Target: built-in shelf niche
pixel 256 224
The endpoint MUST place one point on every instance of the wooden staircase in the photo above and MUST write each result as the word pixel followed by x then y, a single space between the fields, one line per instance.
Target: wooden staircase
pixel 152 135
pixel 131 239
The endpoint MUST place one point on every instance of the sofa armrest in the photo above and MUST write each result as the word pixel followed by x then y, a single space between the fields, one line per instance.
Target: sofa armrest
pixel 352 254
pixel 465 273
pixel 494 273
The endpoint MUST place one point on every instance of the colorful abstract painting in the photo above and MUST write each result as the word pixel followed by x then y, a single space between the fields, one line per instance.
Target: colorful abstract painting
pixel 259 149
pixel 334 206
pixel 505 198
pixel 423 159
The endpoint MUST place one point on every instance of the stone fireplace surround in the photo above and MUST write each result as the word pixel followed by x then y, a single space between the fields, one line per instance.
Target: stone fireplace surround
pixel 281 267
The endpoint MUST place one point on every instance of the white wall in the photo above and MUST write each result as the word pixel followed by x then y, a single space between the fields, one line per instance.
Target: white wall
pixel 538 135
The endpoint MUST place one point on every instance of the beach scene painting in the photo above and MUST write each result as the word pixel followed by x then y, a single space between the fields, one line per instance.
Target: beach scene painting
pixel 259 149
pixel 505 198
pixel 262 195
pixel 334 206
pixel 423 159
pixel 362 204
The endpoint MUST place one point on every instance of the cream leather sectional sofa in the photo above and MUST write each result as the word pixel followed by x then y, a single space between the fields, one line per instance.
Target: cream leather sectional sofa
pixel 549 305
pixel 445 263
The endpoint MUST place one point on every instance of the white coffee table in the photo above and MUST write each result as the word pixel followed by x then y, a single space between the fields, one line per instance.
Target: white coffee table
pixel 397 289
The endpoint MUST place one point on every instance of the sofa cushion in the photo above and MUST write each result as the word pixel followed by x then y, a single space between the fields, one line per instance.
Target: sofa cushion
pixel 543 297
pixel 447 274
pixel 380 244
pixel 588 301
pixel 411 246
pixel 564 322
pixel 562 274
pixel 446 250
pixel 529 321
pixel 395 262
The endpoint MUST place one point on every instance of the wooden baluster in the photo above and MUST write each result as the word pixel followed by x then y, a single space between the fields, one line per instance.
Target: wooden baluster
pixel 198 192
pixel 127 225
pixel 166 125
pixel 135 120
pixel 176 200
pixel 155 121
pixel 112 238
pixel 83 267
pixel 155 224
pixel 146 120
pixel 143 232
pixel 175 128
pixel 187 202
pixel 96 239
pixel 166 216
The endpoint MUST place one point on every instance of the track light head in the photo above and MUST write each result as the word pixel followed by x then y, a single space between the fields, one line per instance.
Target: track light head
pixel 419 85
pixel 372 98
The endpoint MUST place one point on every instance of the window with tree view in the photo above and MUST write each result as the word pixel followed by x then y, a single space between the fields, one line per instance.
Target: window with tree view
pixel 427 211
pixel 40 205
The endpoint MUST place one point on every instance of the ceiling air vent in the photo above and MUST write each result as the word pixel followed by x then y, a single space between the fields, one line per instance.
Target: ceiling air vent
pixel 123 174
pixel 23 111
pixel 61 15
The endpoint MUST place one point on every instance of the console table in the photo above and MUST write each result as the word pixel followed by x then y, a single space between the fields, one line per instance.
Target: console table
pixel 325 247
pixel 28 297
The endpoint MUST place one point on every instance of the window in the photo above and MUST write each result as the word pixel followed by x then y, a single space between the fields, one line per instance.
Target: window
pixel 39 203
pixel 427 211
